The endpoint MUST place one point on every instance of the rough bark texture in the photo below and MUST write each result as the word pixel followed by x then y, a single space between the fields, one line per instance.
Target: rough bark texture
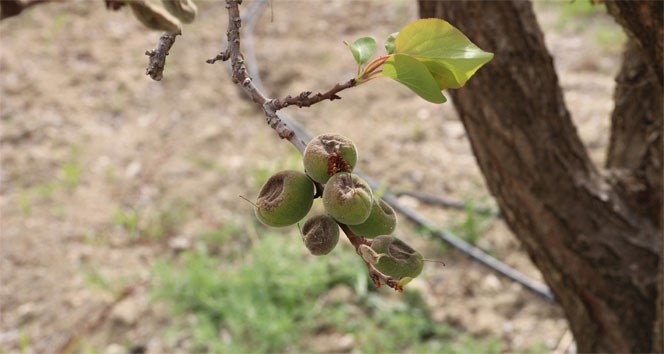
pixel 644 22
pixel 597 252
pixel 635 149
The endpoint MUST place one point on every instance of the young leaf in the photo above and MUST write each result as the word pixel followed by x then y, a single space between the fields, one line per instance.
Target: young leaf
pixel 448 54
pixel 362 49
pixel 389 43
pixel 415 75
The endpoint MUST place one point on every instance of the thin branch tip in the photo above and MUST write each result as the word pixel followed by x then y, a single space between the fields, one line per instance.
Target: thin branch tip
pixel 157 61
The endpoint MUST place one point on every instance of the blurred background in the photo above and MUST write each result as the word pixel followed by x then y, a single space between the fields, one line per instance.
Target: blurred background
pixel 122 229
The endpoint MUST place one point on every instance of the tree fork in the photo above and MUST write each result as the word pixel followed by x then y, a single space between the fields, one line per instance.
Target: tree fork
pixel 599 255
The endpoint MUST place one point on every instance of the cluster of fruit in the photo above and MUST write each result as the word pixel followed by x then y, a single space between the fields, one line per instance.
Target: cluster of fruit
pixel 287 197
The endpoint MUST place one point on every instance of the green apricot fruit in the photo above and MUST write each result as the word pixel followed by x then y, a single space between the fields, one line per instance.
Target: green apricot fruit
pixel 381 221
pixel 285 199
pixel 347 198
pixel 320 234
pixel 397 259
pixel 316 157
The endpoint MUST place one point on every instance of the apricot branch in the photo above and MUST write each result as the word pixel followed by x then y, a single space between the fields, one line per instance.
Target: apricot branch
pixel 353 207
pixel 158 55
pixel 305 99
pixel 241 77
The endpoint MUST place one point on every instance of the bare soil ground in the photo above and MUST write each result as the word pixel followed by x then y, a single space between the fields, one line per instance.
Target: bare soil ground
pixel 87 139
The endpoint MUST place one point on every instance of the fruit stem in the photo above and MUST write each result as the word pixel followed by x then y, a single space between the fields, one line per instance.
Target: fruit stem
pixel 375 274
pixel 248 201
pixel 434 261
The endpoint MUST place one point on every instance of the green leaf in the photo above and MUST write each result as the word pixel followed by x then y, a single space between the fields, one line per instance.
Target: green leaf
pixel 362 49
pixel 415 75
pixel 389 43
pixel 448 54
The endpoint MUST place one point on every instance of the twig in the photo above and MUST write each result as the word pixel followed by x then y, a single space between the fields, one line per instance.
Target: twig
pixel 241 77
pixel 158 55
pixel 305 99
pixel 448 203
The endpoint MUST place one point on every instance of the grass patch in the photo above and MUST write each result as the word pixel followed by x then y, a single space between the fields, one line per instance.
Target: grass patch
pixel 228 295
pixel 68 179
pixel 473 225
pixel 158 223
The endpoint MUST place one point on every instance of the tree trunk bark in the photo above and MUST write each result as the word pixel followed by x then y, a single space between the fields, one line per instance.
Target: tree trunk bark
pixel 598 253
pixel 634 156
pixel 644 23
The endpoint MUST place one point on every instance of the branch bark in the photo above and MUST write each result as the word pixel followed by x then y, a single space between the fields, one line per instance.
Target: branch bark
pixel 579 231
pixel 634 156
pixel 643 22
pixel 158 55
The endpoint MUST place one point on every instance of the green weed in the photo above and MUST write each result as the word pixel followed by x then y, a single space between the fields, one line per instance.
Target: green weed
pixel 575 9
pixel 166 219
pixel 473 225
pixel 24 202
pixel 127 220
pixel 610 38
pixel 156 224
pixel 24 341
pixel 70 172
pixel 265 296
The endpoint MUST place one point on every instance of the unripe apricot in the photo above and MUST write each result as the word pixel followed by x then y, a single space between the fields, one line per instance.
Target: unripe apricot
pixel 285 199
pixel 320 234
pixel 397 259
pixel 381 221
pixel 347 198
pixel 317 154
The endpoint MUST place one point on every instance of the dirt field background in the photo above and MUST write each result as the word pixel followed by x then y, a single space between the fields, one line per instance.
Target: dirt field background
pixel 97 159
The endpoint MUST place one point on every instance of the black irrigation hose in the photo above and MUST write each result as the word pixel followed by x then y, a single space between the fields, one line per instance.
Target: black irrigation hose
pixel 449 203
pixel 445 236
pixel 472 251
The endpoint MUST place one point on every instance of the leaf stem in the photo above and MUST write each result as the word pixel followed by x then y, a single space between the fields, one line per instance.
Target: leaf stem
pixel 370 68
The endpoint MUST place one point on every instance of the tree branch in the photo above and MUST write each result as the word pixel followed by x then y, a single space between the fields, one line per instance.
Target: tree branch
pixel 305 99
pixel 158 55
pixel 242 78
pixel 643 21
pixel 10 8
pixel 270 106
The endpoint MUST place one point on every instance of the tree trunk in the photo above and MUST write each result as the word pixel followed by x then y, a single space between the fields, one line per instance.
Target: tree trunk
pixel 596 246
